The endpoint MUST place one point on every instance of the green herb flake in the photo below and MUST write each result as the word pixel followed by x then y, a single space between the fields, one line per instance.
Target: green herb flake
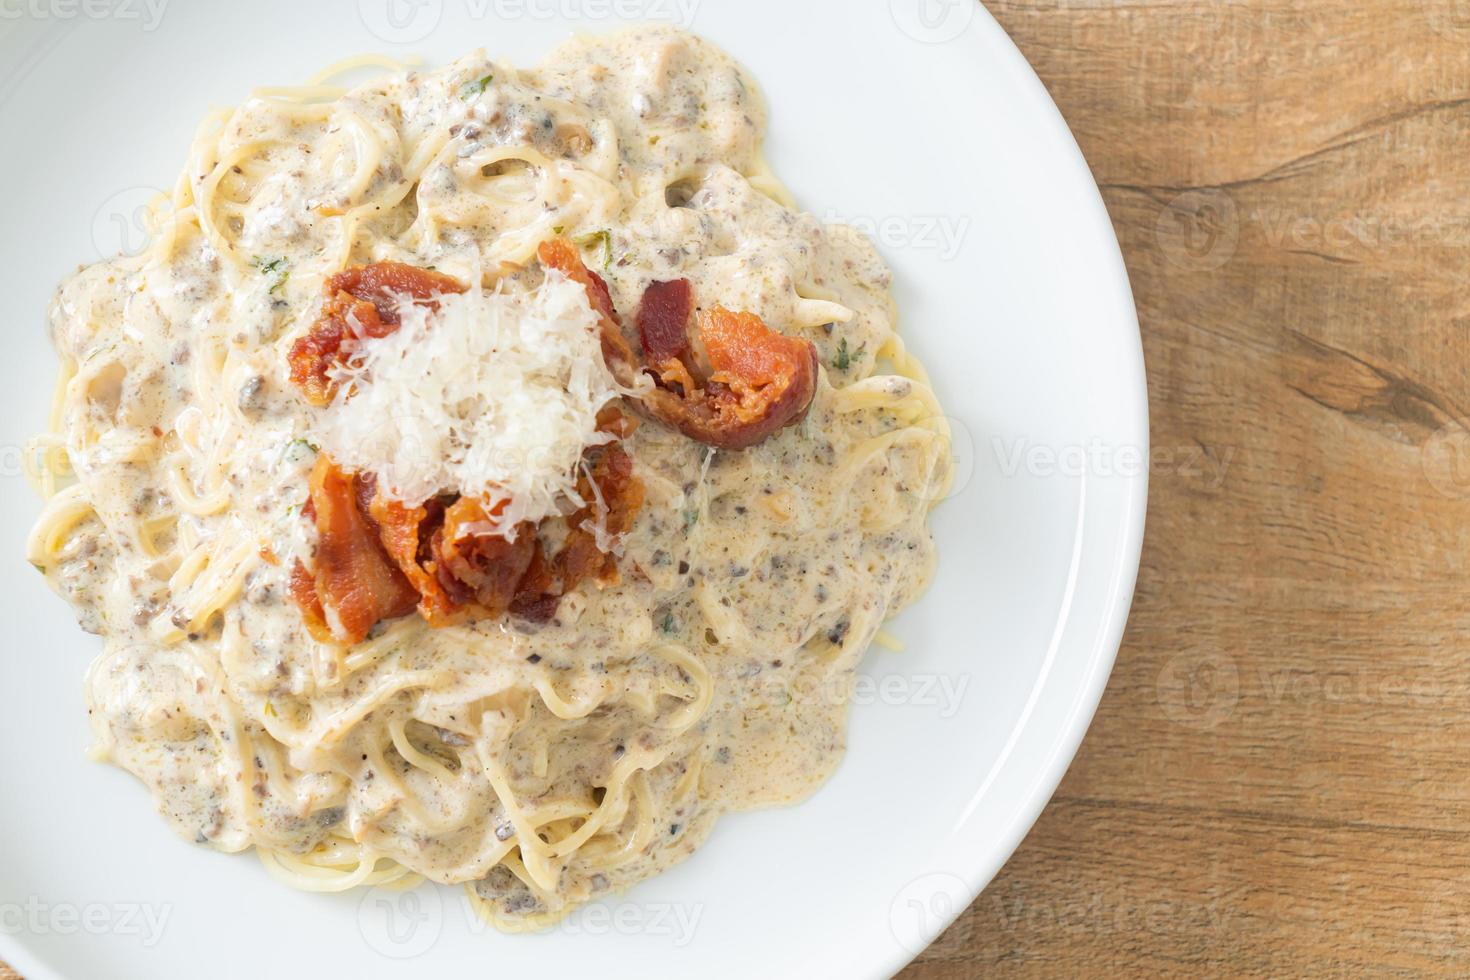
pixel 298 449
pixel 476 88
pixel 276 270
pixel 601 238
pixel 845 357
pixel 668 624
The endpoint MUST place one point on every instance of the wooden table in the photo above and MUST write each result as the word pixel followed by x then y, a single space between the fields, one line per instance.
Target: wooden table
pixel 1278 779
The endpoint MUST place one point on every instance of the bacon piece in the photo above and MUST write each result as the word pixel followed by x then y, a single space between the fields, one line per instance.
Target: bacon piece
pixel 762 381
pixel 303 590
pixel 407 534
pixel 612 420
pixel 538 594
pixel 355 584
pixel 614 494
pixel 378 559
pixel 383 283
pixel 663 320
pixel 362 302
pixel 477 565
pixel 561 255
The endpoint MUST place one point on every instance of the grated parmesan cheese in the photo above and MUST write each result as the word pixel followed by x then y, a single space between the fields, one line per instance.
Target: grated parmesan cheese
pixel 495 396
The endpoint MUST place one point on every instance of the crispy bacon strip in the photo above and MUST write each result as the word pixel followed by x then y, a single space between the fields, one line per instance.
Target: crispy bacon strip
pixel 663 320
pixel 614 494
pixel 561 255
pixel 475 566
pixel 355 583
pixel 761 381
pixel 539 593
pixel 303 590
pixel 361 302
pixel 407 534
pixel 377 559
pixel 611 420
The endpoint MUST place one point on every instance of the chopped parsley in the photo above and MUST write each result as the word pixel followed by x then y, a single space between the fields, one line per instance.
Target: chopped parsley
pixel 276 270
pixel 296 450
pixel 844 358
pixel 475 88
pixel 602 238
pixel 668 624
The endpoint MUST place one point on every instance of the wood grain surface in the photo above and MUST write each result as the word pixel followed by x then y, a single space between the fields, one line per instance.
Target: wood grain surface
pixel 1276 782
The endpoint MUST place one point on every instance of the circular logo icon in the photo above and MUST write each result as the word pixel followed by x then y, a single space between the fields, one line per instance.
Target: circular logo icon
pixel 401 923
pixel 1199 692
pixel 1445 458
pixel 923 907
pixel 1198 230
pixel 124 224
pixel 400 21
pixel 949 458
pixel 933 21
pixel 413 451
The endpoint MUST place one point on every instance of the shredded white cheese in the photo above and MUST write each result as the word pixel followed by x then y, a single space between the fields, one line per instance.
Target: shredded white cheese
pixel 494 395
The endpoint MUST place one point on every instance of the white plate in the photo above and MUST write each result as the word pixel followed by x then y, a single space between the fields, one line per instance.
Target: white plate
pixel 917 118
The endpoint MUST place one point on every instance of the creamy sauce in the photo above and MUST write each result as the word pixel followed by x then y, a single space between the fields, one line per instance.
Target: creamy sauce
pixel 714 677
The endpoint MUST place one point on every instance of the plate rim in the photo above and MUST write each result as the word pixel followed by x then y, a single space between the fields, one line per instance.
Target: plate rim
pixel 1125 563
